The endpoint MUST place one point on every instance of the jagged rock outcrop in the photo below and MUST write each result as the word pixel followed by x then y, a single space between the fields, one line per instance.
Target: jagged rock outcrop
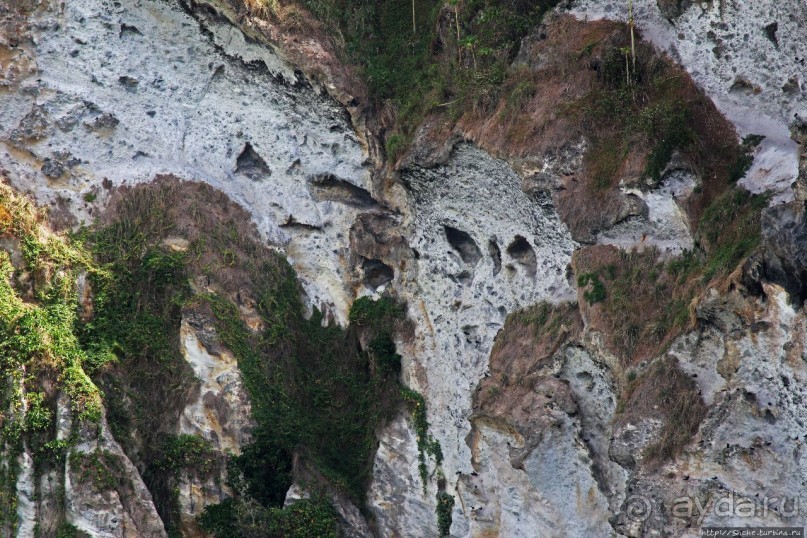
pixel 193 112
pixel 104 494
pixel 745 57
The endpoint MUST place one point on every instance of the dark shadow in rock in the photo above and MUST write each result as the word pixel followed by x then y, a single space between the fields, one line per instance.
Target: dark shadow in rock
pixel 770 33
pixel 376 273
pixel 496 256
pixel 463 278
pixel 52 169
pixel 464 244
pixel 672 9
pixel 129 30
pixel 522 252
pixel 331 188
pixel 292 223
pixel 251 164
pixel 218 73
pixel 744 87
pixel 130 83
pixel 783 258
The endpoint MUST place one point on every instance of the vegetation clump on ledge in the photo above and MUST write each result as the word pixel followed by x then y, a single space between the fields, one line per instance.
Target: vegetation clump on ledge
pixel 313 393
pixel 423 56
pixel 674 397
pixel 645 300
pixel 317 391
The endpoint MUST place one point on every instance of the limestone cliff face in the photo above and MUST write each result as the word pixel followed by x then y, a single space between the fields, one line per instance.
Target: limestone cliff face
pixel 543 429
pixel 220 414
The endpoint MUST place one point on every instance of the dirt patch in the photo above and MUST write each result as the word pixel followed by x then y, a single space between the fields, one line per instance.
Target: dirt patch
pixel 521 354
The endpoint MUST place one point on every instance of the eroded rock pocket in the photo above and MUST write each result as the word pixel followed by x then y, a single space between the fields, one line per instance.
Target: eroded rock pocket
pixel 251 164
pixel 464 244
pixel 523 254
pixel 376 273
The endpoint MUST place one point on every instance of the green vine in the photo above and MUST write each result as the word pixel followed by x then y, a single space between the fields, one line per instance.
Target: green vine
pixel 427 445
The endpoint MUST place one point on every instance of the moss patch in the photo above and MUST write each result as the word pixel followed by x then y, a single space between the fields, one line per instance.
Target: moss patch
pixel 445 505
pixel 427 445
pixel 99 468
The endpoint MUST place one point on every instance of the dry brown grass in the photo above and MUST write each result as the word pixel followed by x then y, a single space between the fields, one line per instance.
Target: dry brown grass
pixel 564 89
pixel 531 115
pixel 261 8
pixel 529 339
pixel 671 395
pixel 225 247
pixel 645 301
pixel 645 305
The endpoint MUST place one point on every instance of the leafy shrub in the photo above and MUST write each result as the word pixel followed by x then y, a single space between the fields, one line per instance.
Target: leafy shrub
pixel 387 359
pixel 101 468
pixel 189 454
pixel 66 530
pixel 366 312
pixel 395 146
pixel 597 292
pixel 445 505
pixel 665 124
pixel 262 471
pixel 427 445
pixel 220 520
pixel 306 518
pixel 745 158
pixel 311 388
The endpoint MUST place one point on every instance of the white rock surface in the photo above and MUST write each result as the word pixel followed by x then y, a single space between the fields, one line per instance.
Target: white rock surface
pixel 396 496
pixel 665 226
pixel 26 495
pixel 567 473
pixel 222 412
pixel 463 293
pixel 464 301
pixel 749 448
pixel 121 92
pixel 125 91
pixel 123 511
